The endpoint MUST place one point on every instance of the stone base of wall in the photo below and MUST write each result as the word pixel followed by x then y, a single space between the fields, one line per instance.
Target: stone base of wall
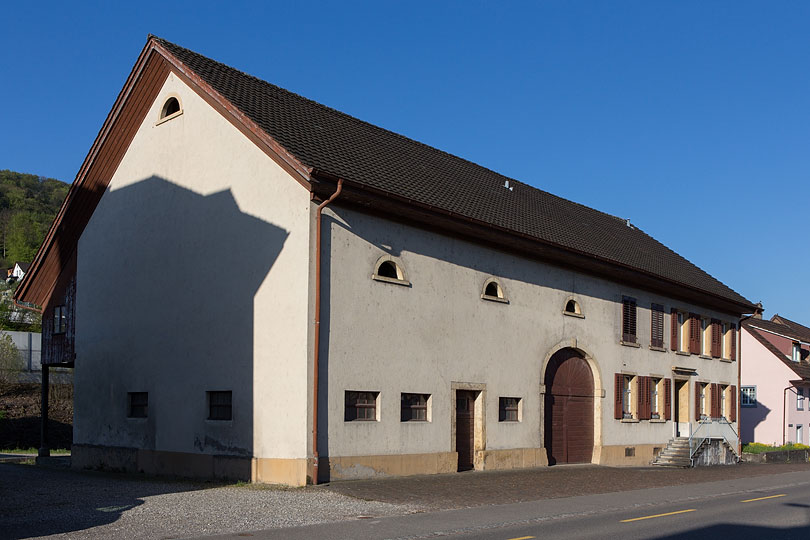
pixel 715 452
pixel 513 458
pixel 350 467
pixel 186 464
pixel 627 455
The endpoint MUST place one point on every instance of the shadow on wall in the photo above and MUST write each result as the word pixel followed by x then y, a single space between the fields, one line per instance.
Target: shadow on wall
pixel 168 278
pixel 750 418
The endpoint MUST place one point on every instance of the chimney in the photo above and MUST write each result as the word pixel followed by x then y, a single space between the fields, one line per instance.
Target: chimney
pixel 758 311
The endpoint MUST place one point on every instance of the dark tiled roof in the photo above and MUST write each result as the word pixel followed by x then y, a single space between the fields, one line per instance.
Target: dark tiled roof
pixel 24 266
pixel 343 146
pixel 801 331
pixel 802 369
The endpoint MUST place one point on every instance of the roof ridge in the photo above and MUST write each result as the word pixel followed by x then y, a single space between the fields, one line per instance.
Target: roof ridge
pixel 343 145
pixel 379 128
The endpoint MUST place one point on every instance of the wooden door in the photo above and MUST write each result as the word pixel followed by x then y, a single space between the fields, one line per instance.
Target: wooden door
pixel 568 409
pixel 465 430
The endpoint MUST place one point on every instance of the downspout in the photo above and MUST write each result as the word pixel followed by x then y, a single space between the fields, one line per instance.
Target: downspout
pixel 317 337
pixel 784 408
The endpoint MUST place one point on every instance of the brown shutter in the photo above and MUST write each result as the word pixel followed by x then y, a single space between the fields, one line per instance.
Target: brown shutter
pixel 617 400
pixel 733 412
pixel 657 326
pixel 673 328
pixel 628 320
pixel 640 402
pixel 715 402
pixel 667 399
pixel 694 334
pixel 716 337
pixel 646 412
pixel 733 341
pixel 697 400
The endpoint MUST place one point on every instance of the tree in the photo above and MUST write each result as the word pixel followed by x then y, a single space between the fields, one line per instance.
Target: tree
pixel 23 237
pixel 11 362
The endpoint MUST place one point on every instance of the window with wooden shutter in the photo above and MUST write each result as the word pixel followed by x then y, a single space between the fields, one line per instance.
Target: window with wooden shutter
pixel 628 319
pixel 673 329
pixel 618 396
pixel 668 399
pixel 716 339
pixel 733 411
pixel 733 331
pixel 698 393
pixel 714 404
pixel 694 333
pixel 657 326
pixel 641 397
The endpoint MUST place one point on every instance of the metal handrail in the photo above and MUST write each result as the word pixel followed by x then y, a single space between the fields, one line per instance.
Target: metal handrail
pixel 696 440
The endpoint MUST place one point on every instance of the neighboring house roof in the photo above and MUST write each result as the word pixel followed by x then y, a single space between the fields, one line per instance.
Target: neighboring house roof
pixel 23 266
pixel 800 333
pixel 798 329
pixel 759 327
pixel 322 143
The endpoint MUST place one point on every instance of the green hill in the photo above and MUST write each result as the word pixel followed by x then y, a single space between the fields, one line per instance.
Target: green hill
pixel 28 204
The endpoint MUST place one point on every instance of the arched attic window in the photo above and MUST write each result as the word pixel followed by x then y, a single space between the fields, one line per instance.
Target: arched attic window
pixel 493 291
pixel 389 270
pixel 171 108
pixel 572 308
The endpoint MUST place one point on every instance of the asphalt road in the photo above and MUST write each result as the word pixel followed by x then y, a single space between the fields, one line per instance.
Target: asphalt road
pixel 762 507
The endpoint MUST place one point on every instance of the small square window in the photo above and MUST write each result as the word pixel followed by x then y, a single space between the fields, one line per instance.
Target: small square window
pixel 137 404
pixel 361 406
pixel 509 409
pixel 414 407
pixel 748 396
pixel 59 320
pixel 220 405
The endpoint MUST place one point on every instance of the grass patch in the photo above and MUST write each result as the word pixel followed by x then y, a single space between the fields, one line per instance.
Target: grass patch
pixel 759 448
pixel 2 415
pixel 54 451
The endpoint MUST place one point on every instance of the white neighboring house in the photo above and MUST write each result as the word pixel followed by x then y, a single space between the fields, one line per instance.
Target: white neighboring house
pixel 18 271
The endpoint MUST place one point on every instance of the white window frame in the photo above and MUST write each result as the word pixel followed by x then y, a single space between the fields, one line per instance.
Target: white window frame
pixel 655 410
pixel 751 396
pixel 799 434
pixel 797 352
pixel 800 399
pixel 627 397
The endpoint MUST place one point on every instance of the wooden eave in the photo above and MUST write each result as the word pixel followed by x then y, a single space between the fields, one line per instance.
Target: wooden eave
pixel 386 205
pixel 139 92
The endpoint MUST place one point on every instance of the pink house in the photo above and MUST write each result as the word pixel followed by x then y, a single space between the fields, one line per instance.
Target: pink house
pixel 775 381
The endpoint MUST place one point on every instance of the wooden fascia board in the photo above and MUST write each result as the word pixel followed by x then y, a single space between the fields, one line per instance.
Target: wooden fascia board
pixel 271 147
pixel 386 205
pixel 22 292
pixel 27 291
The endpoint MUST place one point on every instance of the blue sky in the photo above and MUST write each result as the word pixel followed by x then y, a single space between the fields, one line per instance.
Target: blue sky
pixel 690 118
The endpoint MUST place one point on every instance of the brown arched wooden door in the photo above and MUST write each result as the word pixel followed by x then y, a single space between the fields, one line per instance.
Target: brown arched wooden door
pixel 568 408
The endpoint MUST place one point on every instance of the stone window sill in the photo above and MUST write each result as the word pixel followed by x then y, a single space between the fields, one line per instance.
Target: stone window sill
pixel 494 299
pixel 630 344
pixel 659 349
pixel 683 353
pixel 577 315
pixel 404 283
pixel 658 421
pixel 629 420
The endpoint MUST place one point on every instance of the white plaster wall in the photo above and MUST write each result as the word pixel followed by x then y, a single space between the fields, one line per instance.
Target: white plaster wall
pixel 192 277
pixel 392 339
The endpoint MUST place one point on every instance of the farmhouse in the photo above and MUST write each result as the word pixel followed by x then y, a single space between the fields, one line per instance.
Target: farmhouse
pixel 391 309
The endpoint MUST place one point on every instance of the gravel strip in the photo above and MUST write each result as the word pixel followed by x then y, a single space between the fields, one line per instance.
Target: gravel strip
pixel 41 502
